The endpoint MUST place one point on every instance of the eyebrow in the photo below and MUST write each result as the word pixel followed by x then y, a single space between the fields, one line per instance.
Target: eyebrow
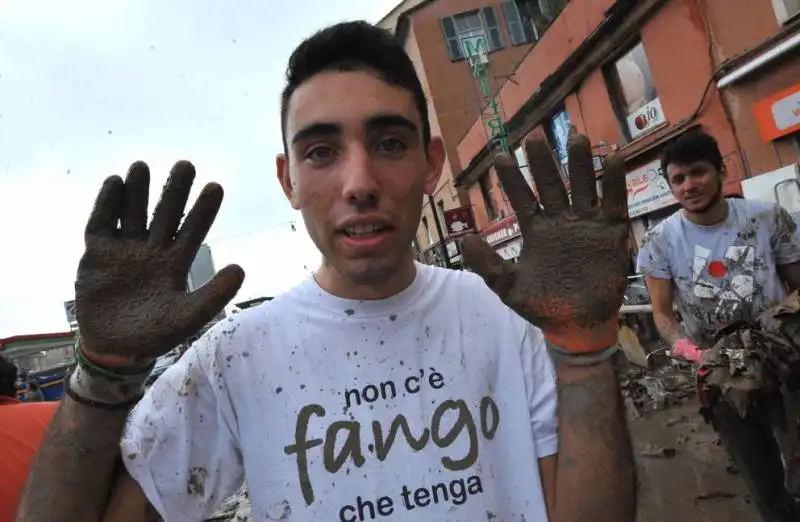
pixel 376 122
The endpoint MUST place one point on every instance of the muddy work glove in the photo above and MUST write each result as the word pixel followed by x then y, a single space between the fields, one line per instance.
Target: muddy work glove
pixel 686 349
pixel 131 289
pixel 573 267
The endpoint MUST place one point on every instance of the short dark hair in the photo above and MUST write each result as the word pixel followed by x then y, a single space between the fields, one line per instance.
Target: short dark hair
pixel 354 46
pixel 8 377
pixel 689 148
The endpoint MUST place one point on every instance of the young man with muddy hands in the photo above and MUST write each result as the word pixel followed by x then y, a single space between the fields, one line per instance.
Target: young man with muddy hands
pixel 722 260
pixel 378 389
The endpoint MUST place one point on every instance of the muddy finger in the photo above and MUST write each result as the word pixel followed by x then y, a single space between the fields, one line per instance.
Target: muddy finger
pixel 137 195
pixel 516 188
pixel 169 210
pixel 615 191
pixel 581 173
pixel 199 220
pixel 484 261
pixel 107 208
pixel 546 176
pixel 205 303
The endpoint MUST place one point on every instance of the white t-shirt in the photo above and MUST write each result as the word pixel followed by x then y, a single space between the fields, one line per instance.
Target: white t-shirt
pixel 434 404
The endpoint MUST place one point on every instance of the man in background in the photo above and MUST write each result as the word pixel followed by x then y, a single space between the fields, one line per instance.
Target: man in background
pixel 33 392
pixel 22 426
pixel 722 260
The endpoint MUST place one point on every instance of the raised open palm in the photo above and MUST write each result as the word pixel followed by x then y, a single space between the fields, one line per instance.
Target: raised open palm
pixel 571 275
pixel 131 295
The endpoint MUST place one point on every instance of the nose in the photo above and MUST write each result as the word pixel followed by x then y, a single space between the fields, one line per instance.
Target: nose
pixel 360 186
pixel 692 183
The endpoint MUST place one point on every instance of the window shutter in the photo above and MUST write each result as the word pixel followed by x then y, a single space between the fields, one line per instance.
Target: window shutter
pixel 514 22
pixel 454 49
pixel 494 36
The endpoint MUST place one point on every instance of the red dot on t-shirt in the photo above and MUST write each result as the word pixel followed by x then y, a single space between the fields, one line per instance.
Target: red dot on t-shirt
pixel 716 269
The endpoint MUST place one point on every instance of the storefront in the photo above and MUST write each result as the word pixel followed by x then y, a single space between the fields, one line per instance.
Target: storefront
pixel 650 199
pixel 505 237
pixel 778 120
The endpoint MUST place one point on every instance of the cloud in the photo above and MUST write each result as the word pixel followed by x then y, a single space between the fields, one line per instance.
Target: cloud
pixel 89 86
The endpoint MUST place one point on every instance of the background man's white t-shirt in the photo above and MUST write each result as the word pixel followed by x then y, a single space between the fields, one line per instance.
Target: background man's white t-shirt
pixel 435 404
pixel 726 272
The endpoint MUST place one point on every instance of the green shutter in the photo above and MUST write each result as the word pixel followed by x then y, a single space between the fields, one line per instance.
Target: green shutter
pixel 494 37
pixel 451 39
pixel 514 22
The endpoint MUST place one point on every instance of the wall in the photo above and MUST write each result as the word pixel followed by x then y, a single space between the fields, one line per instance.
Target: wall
pixel 575 23
pixel 738 26
pixel 452 101
pixel 502 205
pixel 682 68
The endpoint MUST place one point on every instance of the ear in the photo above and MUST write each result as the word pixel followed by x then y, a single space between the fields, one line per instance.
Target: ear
pixel 285 179
pixel 436 155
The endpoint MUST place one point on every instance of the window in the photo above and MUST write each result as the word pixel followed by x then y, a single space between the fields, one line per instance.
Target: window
pixel 557 130
pixel 487 193
pixel 527 20
pixel 522 163
pixel 785 10
pixel 633 93
pixel 472 33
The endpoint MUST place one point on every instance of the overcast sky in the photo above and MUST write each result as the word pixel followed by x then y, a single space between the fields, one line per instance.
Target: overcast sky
pixel 89 86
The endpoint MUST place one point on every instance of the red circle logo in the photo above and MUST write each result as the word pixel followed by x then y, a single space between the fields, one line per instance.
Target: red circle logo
pixel 717 269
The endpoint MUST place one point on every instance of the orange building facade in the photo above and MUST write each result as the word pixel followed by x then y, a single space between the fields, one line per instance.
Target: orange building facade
pixel 630 74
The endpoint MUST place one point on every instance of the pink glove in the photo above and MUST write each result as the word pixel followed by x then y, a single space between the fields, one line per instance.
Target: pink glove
pixel 688 350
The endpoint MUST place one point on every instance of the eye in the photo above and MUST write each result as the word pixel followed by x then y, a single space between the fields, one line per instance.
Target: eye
pixel 391 145
pixel 320 154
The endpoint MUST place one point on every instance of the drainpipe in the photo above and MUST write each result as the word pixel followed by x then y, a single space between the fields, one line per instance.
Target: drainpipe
pixel 759 61
pixel 435 215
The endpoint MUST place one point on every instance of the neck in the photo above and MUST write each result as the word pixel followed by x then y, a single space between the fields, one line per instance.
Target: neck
pixel 717 213
pixel 339 285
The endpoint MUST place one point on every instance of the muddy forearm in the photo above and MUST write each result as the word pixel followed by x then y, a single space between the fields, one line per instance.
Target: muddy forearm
pixel 75 466
pixel 595 477
pixel 668 327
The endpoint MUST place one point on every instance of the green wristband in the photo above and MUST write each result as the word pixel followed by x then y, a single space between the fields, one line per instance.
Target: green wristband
pixel 135 373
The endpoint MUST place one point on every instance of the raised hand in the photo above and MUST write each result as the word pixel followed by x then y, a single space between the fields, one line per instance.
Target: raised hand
pixel 131 291
pixel 571 275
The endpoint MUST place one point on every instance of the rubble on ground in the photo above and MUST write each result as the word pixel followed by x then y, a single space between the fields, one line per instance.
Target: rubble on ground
pixel 234 509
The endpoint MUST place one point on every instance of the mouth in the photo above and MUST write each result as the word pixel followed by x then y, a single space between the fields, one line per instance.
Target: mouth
pixel 364 230
pixel 365 237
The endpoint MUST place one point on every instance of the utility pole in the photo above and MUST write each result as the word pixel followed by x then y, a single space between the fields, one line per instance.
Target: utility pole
pixel 436 222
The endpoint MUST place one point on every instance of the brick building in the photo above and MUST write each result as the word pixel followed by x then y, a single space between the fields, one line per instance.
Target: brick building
pixel 437 34
pixel 633 75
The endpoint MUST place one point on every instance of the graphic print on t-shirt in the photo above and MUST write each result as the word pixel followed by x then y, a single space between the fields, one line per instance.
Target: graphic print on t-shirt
pixel 728 280
pixel 346 445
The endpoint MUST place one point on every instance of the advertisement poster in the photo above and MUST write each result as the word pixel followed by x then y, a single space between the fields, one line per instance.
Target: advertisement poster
pixel 648 190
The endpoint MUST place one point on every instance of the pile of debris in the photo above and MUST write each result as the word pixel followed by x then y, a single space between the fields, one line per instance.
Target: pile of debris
pixel 646 391
pixel 234 509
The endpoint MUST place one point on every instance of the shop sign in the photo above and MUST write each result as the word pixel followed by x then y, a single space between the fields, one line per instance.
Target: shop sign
pixel 475 49
pixel 503 231
pixel 511 250
pixel 453 251
pixel 459 221
pixel 646 118
pixel 779 114
pixel 71 311
pixel 648 190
